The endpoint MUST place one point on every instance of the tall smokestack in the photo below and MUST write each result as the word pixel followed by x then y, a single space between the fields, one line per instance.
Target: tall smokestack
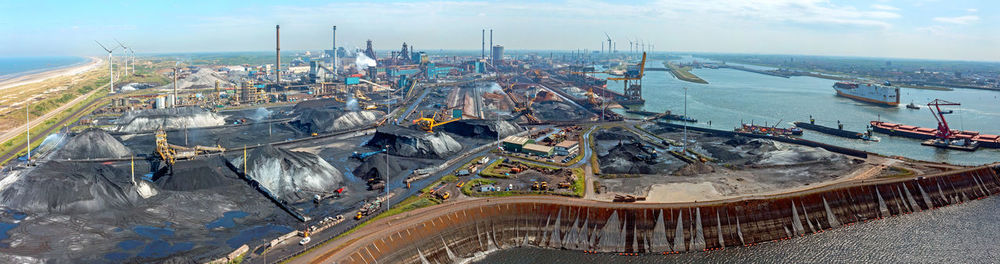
pixel 277 50
pixel 483 55
pixel 335 63
pixel 173 103
pixel 491 46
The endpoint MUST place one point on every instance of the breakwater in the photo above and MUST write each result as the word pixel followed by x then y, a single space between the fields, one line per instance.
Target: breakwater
pixel 457 232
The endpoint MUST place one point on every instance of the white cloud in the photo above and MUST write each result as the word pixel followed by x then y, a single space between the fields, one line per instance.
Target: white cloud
pixel 816 12
pixel 885 7
pixel 972 10
pixel 962 20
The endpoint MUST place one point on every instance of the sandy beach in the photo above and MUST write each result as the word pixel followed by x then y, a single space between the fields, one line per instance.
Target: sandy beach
pixel 41 76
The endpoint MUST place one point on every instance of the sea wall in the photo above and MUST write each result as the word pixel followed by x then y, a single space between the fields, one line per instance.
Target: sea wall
pixel 456 233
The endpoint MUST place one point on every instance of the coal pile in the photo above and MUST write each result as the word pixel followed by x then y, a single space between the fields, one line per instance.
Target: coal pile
pixel 71 187
pixel 628 158
pixel 332 120
pixel 92 143
pixel 558 111
pixel 168 118
pixel 202 78
pixel 615 133
pixel 478 128
pixel 414 143
pixel 290 175
pixel 197 174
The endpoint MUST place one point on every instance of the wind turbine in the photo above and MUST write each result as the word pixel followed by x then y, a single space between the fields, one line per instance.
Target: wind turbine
pixel 133 59
pixel 125 50
pixel 111 67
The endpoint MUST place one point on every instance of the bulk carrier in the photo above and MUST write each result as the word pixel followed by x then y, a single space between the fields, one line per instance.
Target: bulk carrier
pixel 870 93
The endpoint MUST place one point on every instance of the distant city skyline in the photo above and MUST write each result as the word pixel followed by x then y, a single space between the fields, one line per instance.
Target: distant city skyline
pixel 921 29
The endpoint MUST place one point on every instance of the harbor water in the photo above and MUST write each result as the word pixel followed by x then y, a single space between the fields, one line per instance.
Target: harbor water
pixel 11 67
pixel 733 95
pixel 959 233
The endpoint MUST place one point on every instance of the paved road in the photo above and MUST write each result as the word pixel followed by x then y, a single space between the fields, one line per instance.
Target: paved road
pixel 14 132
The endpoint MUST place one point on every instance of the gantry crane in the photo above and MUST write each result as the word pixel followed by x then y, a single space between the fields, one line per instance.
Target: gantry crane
pixel 633 82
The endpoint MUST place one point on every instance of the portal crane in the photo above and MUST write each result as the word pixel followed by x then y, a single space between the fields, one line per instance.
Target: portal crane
pixel 943 131
pixel 633 82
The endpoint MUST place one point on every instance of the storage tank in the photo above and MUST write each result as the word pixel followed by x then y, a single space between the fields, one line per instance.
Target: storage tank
pixel 160 102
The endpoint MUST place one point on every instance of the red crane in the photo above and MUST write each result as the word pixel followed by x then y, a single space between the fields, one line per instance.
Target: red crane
pixel 943 131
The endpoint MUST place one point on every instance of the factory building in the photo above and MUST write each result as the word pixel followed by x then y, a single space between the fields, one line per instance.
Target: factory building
pixel 515 143
pixel 566 148
pixel 537 150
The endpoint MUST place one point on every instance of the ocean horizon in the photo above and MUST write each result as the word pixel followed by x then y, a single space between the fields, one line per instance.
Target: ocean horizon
pixel 11 67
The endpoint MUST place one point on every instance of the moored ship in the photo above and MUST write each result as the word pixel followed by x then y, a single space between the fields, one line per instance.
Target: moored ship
pixel 868 92
pixel 893 129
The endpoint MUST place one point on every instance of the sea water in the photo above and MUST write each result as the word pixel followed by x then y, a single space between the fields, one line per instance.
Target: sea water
pixel 11 67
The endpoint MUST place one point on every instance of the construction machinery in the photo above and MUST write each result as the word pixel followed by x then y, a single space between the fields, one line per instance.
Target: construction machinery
pixel 524 109
pixel 163 148
pixel 170 152
pixel 945 137
pixel 443 195
pixel 365 155
pixel 429 123
pixel 633 82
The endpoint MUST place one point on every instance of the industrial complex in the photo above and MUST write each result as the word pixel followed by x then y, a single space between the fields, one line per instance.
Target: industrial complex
pixel 394 154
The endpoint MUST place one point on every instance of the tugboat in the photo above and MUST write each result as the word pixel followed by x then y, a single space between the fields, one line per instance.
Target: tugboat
pixel 913 106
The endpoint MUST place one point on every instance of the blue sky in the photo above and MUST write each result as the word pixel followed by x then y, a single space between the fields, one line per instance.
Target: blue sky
pixel 938 29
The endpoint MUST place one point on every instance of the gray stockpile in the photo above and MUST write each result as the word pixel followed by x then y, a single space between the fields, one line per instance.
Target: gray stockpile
pixel 93 143
pixel 289 175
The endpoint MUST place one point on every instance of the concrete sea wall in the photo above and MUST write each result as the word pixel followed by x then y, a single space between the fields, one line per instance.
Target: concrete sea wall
pixel 459 233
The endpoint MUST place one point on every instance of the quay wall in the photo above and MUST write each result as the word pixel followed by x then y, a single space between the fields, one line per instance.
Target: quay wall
pixel 456 233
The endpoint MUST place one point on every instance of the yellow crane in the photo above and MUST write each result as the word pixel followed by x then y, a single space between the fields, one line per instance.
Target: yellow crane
pixel 633 81
pixel 429 123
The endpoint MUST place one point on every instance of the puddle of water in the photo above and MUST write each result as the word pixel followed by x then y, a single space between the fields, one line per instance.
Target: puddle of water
pixel 4 228
pixel 227 220
pixel 129 244
pixel 154 233
pixel 255 233
pixel 116 256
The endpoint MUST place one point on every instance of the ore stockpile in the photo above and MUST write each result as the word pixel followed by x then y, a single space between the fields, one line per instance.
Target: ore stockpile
pixel 462 233
pixel 639 162
pixel 86 202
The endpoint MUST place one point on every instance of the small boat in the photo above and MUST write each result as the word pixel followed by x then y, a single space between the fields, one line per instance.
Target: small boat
pixel 913 106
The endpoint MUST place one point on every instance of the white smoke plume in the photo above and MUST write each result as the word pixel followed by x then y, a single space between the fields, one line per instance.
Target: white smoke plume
pixel 363 62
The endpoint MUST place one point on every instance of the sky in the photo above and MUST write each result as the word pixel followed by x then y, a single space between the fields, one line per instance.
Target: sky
pixel 931 29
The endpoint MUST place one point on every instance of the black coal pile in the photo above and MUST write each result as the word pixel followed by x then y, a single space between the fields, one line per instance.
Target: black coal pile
pixel 558 111
pixel 478 128
pixel 290 175
pixel 628 158
pixel 414 143
pixel 615 133
pixel 332 120
pixel 168 118
pixel 71 187
pixel 93 143
pixel 197 174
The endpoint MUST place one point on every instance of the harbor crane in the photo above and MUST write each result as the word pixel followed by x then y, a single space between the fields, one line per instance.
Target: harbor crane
pixel 633 82
pixel 943 131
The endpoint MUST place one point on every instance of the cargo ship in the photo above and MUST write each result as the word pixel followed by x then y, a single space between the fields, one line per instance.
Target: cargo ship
pixel 870 93
pixel 769 130
pixel 838 131
pixel 893 129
